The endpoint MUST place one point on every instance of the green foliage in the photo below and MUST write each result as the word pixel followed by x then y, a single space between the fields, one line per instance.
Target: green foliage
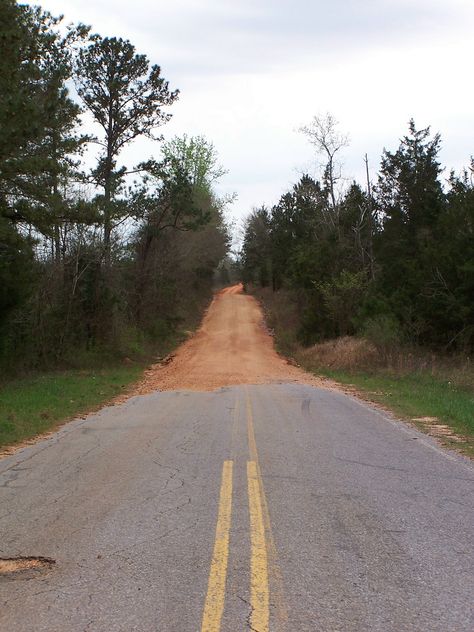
pixel 72 285
pixel 126 99
pixel 16 269
pixel 197 157
pixel 453 287
pixel 256 254
pixel 176 196
pixel 410 198
pixel 37 117
pixel 342 297
pixel 168 198
pixel 383 331
pixel 394 262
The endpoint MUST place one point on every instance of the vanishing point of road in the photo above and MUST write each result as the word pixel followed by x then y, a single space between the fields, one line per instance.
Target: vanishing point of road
pixel 235 492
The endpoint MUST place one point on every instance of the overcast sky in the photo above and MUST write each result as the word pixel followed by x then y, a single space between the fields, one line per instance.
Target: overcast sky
pixel 251 73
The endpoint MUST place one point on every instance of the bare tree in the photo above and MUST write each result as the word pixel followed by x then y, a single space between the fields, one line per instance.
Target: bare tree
pixel 324 135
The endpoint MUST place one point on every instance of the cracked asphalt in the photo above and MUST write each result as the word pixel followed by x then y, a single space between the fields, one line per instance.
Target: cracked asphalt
pixel 371 522
pixel 272 505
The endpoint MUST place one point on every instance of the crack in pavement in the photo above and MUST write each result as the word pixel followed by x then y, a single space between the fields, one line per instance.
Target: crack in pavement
pixel 249 616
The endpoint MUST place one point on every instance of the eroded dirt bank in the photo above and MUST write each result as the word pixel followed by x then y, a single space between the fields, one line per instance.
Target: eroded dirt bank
pixel 231 347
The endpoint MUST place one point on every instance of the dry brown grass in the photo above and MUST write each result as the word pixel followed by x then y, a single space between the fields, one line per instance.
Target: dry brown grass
pixel 347 354
pixel 356 354
pixel 359 354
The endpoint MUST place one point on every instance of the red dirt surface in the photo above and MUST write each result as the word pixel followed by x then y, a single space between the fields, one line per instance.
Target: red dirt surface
pixel 231 347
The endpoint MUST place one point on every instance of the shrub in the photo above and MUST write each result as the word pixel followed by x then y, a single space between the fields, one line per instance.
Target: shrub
pixel 384 332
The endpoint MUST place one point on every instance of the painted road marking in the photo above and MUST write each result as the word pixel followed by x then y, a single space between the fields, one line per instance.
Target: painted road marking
pixel 263 558
pixel 214 604
pixel 278 594
pixel 259 592
pixel 251 433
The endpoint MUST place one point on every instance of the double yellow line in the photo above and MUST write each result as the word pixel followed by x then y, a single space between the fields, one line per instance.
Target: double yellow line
pixel 215 598
pixel 259 530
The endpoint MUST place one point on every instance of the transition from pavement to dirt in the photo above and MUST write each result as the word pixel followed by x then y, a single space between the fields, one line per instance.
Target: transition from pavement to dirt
pixel 231 347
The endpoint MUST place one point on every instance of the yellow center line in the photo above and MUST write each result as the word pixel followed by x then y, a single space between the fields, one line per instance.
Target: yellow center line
pixel 235 427
pixel 214 604
pixel 259 592
pixel 251 433
pixel 278 598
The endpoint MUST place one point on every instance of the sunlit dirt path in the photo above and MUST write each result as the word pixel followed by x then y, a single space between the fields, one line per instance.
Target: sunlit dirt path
pixel 231 347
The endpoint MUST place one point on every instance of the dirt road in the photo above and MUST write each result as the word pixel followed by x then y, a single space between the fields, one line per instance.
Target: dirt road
pixel 231 347
pixel 261 503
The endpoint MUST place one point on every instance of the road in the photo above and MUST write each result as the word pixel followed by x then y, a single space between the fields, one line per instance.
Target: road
pixel 255 499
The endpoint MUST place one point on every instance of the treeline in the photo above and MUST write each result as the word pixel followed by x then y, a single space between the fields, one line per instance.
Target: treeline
pixel 95 256
pixel 393 261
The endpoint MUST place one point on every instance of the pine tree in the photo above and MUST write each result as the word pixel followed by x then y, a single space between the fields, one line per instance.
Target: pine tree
pixel 410 201
pixel 126 99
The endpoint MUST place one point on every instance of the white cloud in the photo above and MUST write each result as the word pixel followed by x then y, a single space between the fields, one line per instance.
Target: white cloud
pixel 251 73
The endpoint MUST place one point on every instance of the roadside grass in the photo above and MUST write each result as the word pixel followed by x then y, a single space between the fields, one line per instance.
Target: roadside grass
pixel 33 405
pixel 416 395
pixel 427 389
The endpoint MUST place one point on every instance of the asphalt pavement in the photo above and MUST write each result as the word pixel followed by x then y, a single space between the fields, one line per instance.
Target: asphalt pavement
pixel 272 507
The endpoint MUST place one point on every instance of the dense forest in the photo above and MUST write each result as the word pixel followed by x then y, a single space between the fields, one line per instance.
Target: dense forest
pixel 96 257
pixel 392 260
pixel 101 258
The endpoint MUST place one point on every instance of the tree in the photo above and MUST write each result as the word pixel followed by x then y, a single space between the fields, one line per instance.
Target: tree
pixel 256 250
pixel 323 134
pixel 197 157
pixel 452 289
pixel 56 295
pixel 126 99
pixel 176 196
pixel 410 200
pixel 357 229
pixel 409 190
pixel 38 118
pixel 342 296
pixel 178 191
pixel 15 252
pixel 20 103
pixel 61 144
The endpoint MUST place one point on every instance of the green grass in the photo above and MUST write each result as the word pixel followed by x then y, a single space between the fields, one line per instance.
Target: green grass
pixel 417 395
pixel 448 395
pixel 31 406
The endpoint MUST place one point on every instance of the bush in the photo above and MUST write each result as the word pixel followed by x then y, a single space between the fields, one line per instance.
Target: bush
pixel 384 332
pixel 342 297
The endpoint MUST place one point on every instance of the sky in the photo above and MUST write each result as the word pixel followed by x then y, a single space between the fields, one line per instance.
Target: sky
pixel 250 74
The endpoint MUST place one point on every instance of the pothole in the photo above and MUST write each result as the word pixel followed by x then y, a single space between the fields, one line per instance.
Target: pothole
pixel 24 567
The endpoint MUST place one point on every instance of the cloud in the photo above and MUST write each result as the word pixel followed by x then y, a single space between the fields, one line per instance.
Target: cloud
pixel 208 37
pixel 251 73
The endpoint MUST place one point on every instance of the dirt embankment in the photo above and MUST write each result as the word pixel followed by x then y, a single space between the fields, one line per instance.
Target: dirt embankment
pixel 231 347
